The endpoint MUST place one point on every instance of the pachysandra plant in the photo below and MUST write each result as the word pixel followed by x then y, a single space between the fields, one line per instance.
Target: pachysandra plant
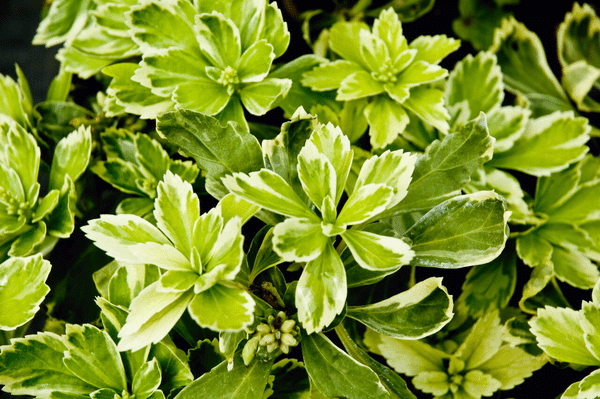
pixel 299 278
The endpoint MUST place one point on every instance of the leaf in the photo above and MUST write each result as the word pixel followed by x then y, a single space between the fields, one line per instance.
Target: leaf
pixel 365 202
pixel 316 174
pixel 578 207
pixel 589 387
pixel 576 39
pixel 260 97
pixel 92 356
pixel 336 374
pixel 222 308
pixel 64 21
pixel 131 239
pixel 507 125
pixel 147 379
pixel 21 154
pixel 34 366
pixel 217 149
pixel 131 96
pixel 330 75
pixel 489 287
pixel 525 68
pixel 476 81
pixel 152 315
pixel 298 95
pixel 377 252
pixel 559 334
pixel 386 120
pixel 299 240
pixel 413 314
pixel 240 382
pixel 359 85
pixel 550 144
pixel 483 342
pixel 174 369
pixel 219 39
pixel 511 366
pixel 71 157
pixel 268 190
pixel 290 380
pixel 177 209
pixel 22 289
pixel 433 49
pixel 463 231
pixel 446 166
pixel 321 291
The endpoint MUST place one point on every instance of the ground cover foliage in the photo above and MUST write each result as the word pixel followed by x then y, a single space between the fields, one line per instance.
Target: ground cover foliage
pixel 243 199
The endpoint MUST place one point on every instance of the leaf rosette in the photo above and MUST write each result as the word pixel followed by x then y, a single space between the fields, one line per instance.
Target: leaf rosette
pixel 200 255
pixel 384 68
pixel 311 227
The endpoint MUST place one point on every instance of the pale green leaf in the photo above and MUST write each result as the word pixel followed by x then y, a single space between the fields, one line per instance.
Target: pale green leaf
pixel 388 28
pixel 344 38
pixel 550 144
pixel 27 242
pixel 82 64
pixel 365 202
pixel 131 239
pixel 177 280
pixel 579 79
pixel 416 313
pixel 406 356
pixel 230 206
pixel 268 190
pixel 511 366
pixel 14 103
pixel 387 119
pixel 213 99
pixel 478 81
pixel 448 236
pixel 128 281
pixel 523 61
pixel 321 291
pixel 358 85
pixel 174 367
pixel 133 97
pixel 147 379
pixel 433 49
pixel 559 334
pixel 428 104
pixel 152 315
pixel 34 366
pixel 22 289
pixel 241 382
pixel 507 124
pixel 589 387
pixel 336 374
pixel 255 62
pixel 377 252
pixel 275 29
pixel 176 211
pixel 64 21
pixel 478 384
pixel 93 357
pixel 579 207
pixel 574 268
pixel 329 76
pixel 490 286
pixel 260 97
pixel 589 317
pixel 71 157
pixel 483 342
pixel 223 259
pixel 45 206
pixel 219 39
pixel 21 154
pixel 434 382
pixel 316 174
pixel 299 240
pixel 222 308
pixel 420 72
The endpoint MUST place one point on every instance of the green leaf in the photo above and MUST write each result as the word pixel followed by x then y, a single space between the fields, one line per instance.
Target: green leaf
pixel 523 61
pixel 131 239
pixel 222 308
pixel 433 49
pixel 153 313
pixel 428 104
pixel 27 242
pixel 511 366
pixel 448 236
pixel 416 313
pixel 217 149
pixel 321 291
pixel 55 117
pixel 255 62
pixel 268 190
pixel 22 290
pixel 176 212
pixel 550 144
pixel 299 240
pixel 574 267
pixel 377 252
pixel 386 120
pixel 240 382
pixel 21 154
pixel 577 42
pixel 507 124
pixel 336 374
pixel 490 286
pixel 589 387
pixel 579 207
pixel 589 317
pixel 329 76
pixel 290 380
pixel 483 342
pixel 131 96
pixel 34 366
pixel 365 202
pixel 316 174
pixel 147 379
pixel 343 40
pixel 476 81
pixel 358 85
pixel 219 39
pixel 260 97
pixel 71 157
pixel 174 367
pixel 64 21
pixel 93 357
pixel 559 333
pixel 446 166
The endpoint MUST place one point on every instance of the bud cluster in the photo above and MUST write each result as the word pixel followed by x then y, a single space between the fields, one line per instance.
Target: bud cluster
pixel 276 336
